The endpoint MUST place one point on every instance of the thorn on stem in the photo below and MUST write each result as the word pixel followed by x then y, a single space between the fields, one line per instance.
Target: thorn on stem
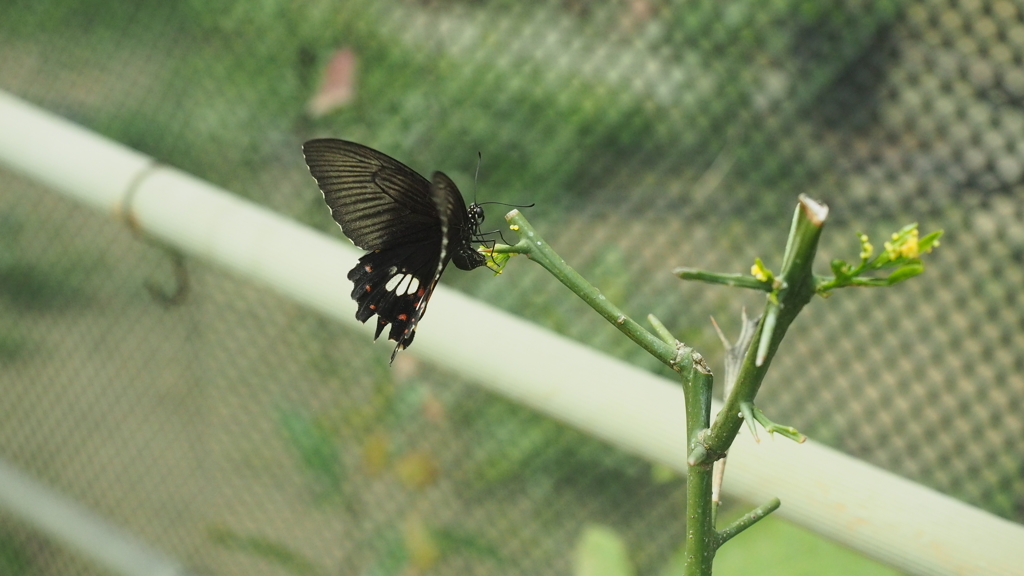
pixel 747 413
pixel 697 455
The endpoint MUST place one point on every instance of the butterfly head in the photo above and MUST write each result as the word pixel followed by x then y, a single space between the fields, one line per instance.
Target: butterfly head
pixel 476 215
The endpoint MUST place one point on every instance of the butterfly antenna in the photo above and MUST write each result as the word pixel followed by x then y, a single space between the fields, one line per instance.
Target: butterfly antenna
pixel 530 205
pixel 476 177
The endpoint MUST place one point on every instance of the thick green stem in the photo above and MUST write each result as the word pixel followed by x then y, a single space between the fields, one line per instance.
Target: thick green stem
pixel 701 537
pixel 531 244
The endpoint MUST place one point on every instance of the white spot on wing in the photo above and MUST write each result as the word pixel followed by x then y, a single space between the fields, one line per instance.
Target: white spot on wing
pixel 404 284
pixel 390 286
pixel 413 286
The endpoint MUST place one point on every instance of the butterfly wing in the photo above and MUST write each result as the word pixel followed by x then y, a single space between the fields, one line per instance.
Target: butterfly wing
pixel 458 227
pixel 387 208
pixel 378 201
pixel 396 284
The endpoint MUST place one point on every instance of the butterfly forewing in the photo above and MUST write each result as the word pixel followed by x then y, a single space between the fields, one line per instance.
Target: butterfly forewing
pixel 378 201
pixel 411 227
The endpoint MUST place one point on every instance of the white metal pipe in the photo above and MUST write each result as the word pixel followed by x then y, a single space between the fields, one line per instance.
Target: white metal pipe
pixel 903 524
pixel 80 529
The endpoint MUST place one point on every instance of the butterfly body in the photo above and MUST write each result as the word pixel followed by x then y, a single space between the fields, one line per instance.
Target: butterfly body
pixel 411 227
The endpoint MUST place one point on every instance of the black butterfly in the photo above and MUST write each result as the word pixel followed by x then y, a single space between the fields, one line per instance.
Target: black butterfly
pixel 411 227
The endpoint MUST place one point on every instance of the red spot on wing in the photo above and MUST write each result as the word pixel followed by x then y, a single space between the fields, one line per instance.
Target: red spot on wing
pixel 373 306
pixel 421 291
pixel 403 317
pixel 368 288
pixel 368 268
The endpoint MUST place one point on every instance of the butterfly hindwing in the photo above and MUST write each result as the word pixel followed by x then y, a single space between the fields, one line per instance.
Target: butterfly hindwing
pixel 412 228
pixel 395 285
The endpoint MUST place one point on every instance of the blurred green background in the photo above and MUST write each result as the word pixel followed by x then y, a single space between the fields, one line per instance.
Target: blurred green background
pixel 245 435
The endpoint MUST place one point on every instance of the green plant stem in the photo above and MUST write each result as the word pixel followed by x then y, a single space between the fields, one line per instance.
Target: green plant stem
pixel 736 280
pixel 662 331
pixel 747 520
pixel 536 249
pixel 797 288
pixel 706 442
pixel 701 537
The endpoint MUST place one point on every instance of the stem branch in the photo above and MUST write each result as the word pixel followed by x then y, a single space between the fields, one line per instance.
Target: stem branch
pixel 747 520
pixel 534 247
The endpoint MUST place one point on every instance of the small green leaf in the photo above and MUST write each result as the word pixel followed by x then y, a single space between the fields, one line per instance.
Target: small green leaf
pixel 840 268
pixel 496 260
pixel 904 272
pixel 905 230
pixel 930 241
pixel 874 282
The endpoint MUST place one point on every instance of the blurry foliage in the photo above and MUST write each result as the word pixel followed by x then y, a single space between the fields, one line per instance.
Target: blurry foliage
pixel 38 285
pixel 12 343
pixel 392 555
pixel 266 549
pixel 418 547
pixel 14 558
pixel 512 443
pixel 561 123
pixel 316 449
pixel 38 282
pixel 385 431
pixel 453 540
pixel 510 446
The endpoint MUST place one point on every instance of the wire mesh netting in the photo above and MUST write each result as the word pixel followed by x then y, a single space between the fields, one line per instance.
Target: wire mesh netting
pixel 244 434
